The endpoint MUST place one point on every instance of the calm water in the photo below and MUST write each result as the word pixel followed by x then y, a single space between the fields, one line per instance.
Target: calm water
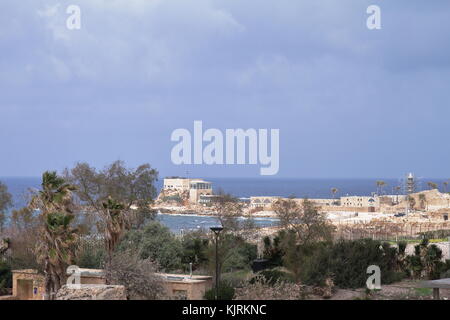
pixel 179 223
pixel 244 187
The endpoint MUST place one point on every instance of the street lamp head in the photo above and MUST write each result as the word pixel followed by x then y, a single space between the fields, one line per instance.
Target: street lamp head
pixel 216 230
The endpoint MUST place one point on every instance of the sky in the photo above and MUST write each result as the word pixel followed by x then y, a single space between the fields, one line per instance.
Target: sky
pixel 349 102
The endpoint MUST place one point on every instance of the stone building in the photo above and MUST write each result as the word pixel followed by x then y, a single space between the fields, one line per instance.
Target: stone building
pixel 185 287
pixel 194 187
pixel 28 284
pixel 199 187
pixel 360 202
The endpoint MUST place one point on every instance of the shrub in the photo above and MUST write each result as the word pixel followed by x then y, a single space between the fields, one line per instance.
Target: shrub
pixel 136 274
pixel 157 243
pixel 436 234
pixel 272 250
pixel 195 250
pixel 226 292
pixel 260 290
pixel 346 263
pixel 271 277
pixel 426 261
pixel 234 253
pixel 249 252
pixel 175 198
pixel 91 254
pixel 5 277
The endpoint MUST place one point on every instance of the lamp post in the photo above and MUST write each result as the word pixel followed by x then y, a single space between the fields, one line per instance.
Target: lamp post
pixel 216 231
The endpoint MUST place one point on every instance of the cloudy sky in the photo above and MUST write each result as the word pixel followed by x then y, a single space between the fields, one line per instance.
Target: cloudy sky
pixel 349 102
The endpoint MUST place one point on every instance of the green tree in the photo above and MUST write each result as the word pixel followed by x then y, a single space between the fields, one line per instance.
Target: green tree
pixel 304 219
pixel 5 204
pixel 333 193
pixel 380 185
pixel 273 250
pixel 133 188
pixel 155 242
pixel 234 236
pixel 305 226
pixel 195 249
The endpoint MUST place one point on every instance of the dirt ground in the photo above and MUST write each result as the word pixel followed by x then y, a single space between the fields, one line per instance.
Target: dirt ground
pixel 405 290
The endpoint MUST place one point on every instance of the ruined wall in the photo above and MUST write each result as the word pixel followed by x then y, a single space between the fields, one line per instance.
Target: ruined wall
pixel 91 292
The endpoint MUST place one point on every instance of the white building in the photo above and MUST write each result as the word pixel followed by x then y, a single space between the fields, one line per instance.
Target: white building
pixel 181 184
pixel 199 187
pixel 195 187
pixel 360 201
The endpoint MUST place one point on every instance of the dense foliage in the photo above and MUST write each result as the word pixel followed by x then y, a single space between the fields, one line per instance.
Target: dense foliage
pixel 156 242
pixel 226 292
pixel 346 263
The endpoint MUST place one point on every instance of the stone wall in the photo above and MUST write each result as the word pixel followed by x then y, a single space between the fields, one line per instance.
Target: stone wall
pixel 91 292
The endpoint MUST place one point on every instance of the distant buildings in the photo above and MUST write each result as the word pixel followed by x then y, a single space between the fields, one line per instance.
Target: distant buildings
pixel 262 202
pixel 176 183
pixel 195 187
pixel 265 202
pixel 360 201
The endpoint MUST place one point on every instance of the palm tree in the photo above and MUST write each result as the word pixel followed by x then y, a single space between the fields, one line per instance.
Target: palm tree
pixel 397 191
pixel 57 250
pixel 445 184
pixel 333 193
pixel 432 185
pixel 56 194
pixel 115 223
pixel 380 185
pixel 58 240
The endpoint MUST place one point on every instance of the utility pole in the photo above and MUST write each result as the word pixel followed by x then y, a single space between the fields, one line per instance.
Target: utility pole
pixel 217 231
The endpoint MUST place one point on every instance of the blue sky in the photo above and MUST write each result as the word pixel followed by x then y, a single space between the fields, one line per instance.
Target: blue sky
pixel 349 102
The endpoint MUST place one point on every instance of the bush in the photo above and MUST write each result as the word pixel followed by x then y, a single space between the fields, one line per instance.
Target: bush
pixel 226 292
pixel 91 254
pixel 156 242
pixel 248 252
pixel 346 263
pixel 263 291
pixel 195 250
pixel 5 277
pixel 436 234
pixel 272 250
pixel 426 261
pixel 271 277
pixel 136 274
pixel 175 198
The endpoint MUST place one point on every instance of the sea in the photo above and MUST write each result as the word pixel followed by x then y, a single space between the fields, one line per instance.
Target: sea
pixel 244 188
